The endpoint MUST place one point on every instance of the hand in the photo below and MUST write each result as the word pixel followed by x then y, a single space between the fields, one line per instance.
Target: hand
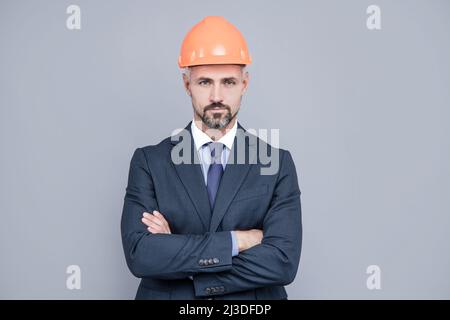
pixel 155 222
pixel 248 238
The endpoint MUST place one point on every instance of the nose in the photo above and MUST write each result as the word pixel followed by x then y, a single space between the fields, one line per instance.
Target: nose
pixel 216 94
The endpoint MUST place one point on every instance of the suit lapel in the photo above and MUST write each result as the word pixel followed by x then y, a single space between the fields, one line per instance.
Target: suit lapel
pixel 233 176
pixel 192 179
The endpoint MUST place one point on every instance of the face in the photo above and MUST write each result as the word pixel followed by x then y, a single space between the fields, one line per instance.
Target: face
pixel 216 92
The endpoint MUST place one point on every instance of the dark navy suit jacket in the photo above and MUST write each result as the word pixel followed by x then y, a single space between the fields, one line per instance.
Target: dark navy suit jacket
pixel 200 244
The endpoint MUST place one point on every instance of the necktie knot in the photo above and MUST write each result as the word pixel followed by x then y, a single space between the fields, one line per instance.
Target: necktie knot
pixel 216 149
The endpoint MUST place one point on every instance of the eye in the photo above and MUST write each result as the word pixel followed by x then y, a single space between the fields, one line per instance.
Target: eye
pixel 230 82
pixel 203 82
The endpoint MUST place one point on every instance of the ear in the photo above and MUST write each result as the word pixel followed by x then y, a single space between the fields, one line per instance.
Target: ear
pixel 186 83
pixel 245 81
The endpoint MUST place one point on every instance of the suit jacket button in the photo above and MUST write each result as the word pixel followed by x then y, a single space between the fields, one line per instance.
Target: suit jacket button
pixel 201 262
pixel 210 261
pixel 208 290
pixel 216 260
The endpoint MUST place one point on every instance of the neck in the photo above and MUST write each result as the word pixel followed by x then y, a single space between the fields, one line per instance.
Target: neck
pixel 214 134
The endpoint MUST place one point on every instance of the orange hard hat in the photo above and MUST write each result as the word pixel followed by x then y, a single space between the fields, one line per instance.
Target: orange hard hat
pixel 213 40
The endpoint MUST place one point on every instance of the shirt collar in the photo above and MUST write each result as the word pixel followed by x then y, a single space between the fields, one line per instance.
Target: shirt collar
pixel 200 138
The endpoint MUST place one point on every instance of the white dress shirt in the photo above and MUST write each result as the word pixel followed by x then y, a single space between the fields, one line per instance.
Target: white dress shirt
pixel 204 155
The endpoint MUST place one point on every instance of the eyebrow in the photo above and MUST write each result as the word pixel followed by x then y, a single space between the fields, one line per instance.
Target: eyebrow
pixel 223 79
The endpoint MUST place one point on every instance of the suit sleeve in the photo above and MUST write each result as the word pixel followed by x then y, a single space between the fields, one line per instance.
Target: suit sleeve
pixel 165 256
pixel 275 261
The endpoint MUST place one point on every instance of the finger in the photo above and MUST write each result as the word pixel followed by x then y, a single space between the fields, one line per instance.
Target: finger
pixel 147 214
pixel 151 223
pixel 156 229
pixel 158 216
pixel 146 221
pixel 156 221
pixel 161 217
pixel 152 230
pixel 149 217
pixel 166 230
pixel 152 218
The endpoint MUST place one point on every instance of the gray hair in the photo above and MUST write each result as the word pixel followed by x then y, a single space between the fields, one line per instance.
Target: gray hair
pixel 187 71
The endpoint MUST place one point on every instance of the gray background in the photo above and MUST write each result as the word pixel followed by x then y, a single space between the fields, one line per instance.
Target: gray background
pixel 364 113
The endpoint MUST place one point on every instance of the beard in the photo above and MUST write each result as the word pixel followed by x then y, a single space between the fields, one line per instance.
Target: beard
pixel 216 120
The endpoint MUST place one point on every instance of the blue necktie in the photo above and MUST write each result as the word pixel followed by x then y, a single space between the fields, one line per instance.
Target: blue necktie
pixel 215 171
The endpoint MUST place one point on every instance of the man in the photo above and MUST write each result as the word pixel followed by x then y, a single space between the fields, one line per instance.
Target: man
pixel 201 217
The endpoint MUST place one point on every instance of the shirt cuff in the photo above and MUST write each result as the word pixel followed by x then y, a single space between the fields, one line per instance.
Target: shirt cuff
pixel 235 248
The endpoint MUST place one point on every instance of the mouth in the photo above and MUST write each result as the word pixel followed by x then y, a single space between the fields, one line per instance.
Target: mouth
pixel 216 109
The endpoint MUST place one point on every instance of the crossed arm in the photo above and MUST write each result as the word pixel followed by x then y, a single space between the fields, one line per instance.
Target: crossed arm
pixel 151 250
pixel 156 223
